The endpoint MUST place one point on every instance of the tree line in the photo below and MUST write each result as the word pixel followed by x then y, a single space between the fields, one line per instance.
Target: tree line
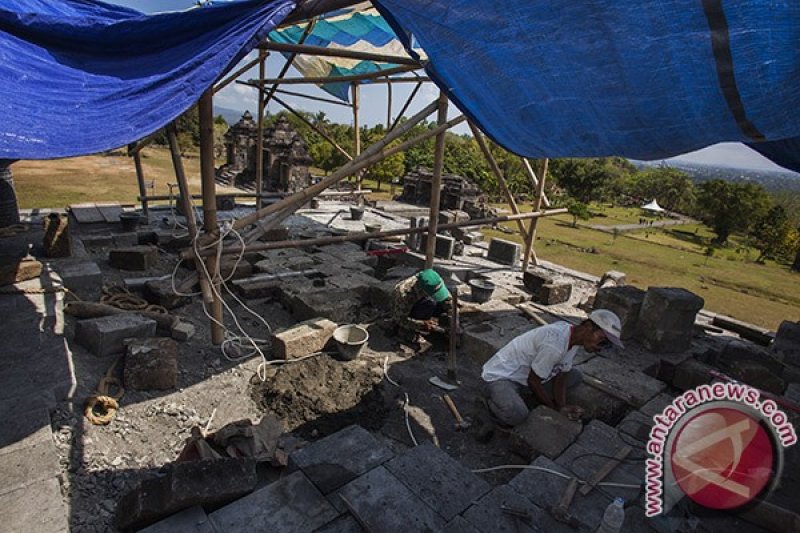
pixel 768 221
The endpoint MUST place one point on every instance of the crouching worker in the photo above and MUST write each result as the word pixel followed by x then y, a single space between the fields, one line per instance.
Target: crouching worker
pixel 541 360
pixel 417 303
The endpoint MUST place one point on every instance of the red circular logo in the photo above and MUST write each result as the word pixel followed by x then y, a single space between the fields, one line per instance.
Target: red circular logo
pixel 722 458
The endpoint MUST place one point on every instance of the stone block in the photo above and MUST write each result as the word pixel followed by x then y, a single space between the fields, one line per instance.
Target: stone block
pixel 160 292
pixel 488 515
pixel 756 375
pixel 96 241
pixel 626 302
pixel 737 351
pixel 482 340
pixel 787 342
pixel 36 507
pixel 635 387
pixel 437 479
pixel 354 281
pixel 151 364
pixel 234 268
pixel 445 247
pixel 280 233
pixel 545 432
pixel 597 404
pixel 82 277
pixel 226 203
pixel 338 459
pixel 172 240
pixel 302 339
pixel 458 524
pixel 340 305
pixel 612 278
pixel 690 374
pixel 183 485
pixel 343 524
pixel 291 505
pixel 133 257
pixel 793 393
pixel 182 331
pixel 105 335
pixel 29 464
pixel 636 425
pixel 191 520
pixel 554 293
pixel 14 270
pixel 534 280
pixel 504 252
pixel 472 237
pixel 125 240
pixel 656 405
pixel 542 488
pixel 753 333
pixel 666 319
pixel 387 505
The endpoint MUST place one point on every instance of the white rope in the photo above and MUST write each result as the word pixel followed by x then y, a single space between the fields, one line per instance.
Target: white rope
pixel 386 372
pixel 408 424
pixel 556 473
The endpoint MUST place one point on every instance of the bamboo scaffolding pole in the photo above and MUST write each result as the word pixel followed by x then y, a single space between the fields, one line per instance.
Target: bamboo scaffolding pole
pixel 388 105
pixel 137 163
pixel 339 52
pixel 415 79
pixel 349 77
pixel 314 127
pixel 405 106
pixel 135 148
pixel 534 179
pixel 356 129
pixel 499 175
pixel 262 58
pixel 436 181
pixel 537 205
pixel 320 241
pixel 227 81
pixel 285 68
pixel 208 183
pixel 186 205
pixel 309 97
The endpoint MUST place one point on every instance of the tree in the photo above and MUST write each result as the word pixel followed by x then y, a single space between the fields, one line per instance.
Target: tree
pixel 771 234
pixel 671 187
pixel 730 207
pixel 388 168
pixel 583 179
pixel 578 210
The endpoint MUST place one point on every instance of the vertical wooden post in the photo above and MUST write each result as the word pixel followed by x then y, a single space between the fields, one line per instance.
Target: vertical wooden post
pixel 137 163
pixel 262 56
pixel 537 204
pixel 436 183
pixel 356 130
pixel 206 108
pixel 388 104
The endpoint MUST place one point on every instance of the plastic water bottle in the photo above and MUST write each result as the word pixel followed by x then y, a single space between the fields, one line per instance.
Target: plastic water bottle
pixel 613 517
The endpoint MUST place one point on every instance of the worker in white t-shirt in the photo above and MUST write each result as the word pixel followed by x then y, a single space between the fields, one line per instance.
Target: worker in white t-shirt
pixel 541 360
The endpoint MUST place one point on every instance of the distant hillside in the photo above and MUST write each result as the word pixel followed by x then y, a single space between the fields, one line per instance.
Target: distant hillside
pixel 772 181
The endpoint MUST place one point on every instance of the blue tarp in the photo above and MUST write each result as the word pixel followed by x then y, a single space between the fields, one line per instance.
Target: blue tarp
pixel 79 77
pixel 647 80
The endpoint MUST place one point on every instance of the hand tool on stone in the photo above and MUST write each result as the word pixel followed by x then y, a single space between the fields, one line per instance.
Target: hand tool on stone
pixel 561 510
pixel 461 423
pixel 518 515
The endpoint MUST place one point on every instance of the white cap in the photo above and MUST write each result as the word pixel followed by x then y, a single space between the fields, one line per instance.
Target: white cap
pixel 609 323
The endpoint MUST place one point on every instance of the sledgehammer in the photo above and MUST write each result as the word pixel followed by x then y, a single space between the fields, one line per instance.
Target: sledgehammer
pixel 461 423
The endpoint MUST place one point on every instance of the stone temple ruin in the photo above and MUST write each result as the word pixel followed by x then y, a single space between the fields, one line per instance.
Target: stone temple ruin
pixel 458 193
pixel 285 154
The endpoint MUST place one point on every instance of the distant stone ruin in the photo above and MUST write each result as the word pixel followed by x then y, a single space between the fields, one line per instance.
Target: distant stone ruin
pixel 285 155
pixel 458 193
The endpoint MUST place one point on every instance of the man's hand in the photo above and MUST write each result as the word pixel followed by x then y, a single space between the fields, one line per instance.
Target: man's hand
pixel 573 412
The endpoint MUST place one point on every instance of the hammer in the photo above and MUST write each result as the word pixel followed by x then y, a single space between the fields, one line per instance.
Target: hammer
pixel 461 424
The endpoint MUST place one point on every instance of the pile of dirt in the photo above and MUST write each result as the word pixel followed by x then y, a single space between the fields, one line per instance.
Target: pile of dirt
pixel 319 396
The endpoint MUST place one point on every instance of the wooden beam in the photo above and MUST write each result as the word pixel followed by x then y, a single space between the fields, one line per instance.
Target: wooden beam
pixel 311 97
pixel 137 163
pixel 534 179
pixel 499 175
pixel 405 106
pixel 289 61
pixel 349 77
pixel 208 183
pixel 262 58
pixel 314 127
pixel 339 52
pixel 224 83
pixel 537 204
pixel 388 105
pixel 356 129
pixel 436 181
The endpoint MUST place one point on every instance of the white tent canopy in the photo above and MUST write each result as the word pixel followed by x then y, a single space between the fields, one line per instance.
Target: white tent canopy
pixel 654 207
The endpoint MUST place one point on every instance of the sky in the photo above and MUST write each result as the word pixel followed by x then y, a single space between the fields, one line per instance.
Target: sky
pixel 374 102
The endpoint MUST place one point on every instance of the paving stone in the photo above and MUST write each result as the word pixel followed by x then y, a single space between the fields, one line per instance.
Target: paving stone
pixel 182 331
pixel 357 282
pixel 756 375
pixel 22 466
pixel 656 405
pixel 290 505
pixel 751 332
pixel 636 425
pixel 554 293
pixel 666 319
pixel 151 364
pixel 504 252
pixel 340 305
pixel 487 514
pixel 25 427
pixel 207 482
pixel 36 507
pixel 81 277
pixel 105 335
pixel 626 302
pixel 302 339
pixel 339 458
pixel 738 351
pixel 96 241
pixel 636 386
pixel 172 240
pixel 690 374
pixel 545 432
pixel 793 393
pixel 281 233
pixel 387 505
pixel 133 257
pixel 787 342
pixel 125 240
pixel 458 524
pixel 482 340
pixel 160 292
pixel 437 479
pixel 602 439
pixel 191 520
pixel 343 524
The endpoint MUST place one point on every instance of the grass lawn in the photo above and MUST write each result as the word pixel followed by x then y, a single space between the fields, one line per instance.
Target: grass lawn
pixel 729 282
pixel 98 178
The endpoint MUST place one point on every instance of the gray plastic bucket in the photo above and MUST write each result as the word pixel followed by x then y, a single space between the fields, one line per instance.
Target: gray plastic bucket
pixel 481 290
pixel 356 213
pixel 350 339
